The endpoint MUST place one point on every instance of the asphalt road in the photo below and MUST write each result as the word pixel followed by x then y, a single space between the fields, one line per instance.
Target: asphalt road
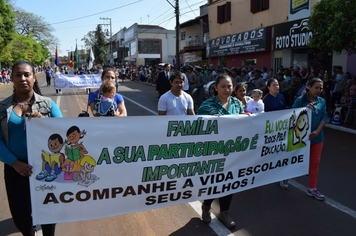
pixel 266 210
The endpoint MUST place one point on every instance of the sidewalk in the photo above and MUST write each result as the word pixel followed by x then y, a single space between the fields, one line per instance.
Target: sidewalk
pixel 345 128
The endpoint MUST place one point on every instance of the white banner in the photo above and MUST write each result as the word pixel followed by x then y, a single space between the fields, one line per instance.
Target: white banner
pixel 67 81
pixel 112 166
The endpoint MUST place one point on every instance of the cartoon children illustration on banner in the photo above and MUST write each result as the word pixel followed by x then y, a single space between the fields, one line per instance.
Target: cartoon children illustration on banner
pixel 75 164
pixel 52 162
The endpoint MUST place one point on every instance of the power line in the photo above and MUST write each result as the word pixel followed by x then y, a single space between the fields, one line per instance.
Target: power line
pixel 190 7
pixel 79 18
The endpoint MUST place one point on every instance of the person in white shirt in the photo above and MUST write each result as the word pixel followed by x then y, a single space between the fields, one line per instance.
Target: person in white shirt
pixel 255 105
pixel 176 101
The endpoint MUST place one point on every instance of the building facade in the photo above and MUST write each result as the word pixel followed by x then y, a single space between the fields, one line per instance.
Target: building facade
pixel 83 56
pixel 148 45
pixel 265 33
pixel 194 34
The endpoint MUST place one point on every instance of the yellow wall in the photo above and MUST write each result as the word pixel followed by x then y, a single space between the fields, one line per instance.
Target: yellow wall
pixel 243 20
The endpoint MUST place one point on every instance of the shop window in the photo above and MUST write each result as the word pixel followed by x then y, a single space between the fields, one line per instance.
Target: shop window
pixel 133 48
pixel 149 46
pixel 278 62
pixel 182 35
pixel 259 5
pixel 224 13
pixel 249 62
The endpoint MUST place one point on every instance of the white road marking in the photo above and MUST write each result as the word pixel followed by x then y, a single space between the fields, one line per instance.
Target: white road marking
pixel 58 101
pixel 328 200
pixel 215 224
pixel 138 104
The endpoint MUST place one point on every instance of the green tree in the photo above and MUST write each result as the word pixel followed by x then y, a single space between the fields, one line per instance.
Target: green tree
pixel 100 47
pixel 7 26
pixel 28 23
pixel 25 48
pixel 333 26
pixel 89 39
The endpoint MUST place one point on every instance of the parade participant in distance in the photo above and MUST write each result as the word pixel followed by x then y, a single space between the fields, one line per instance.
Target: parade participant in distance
pixel 186 81
pixel 210 76
pixel 220 104
pixel 109 74
pixel 56 72
pixel 201 81
pixel 191 79
pixel 163 85
pixel 319 116
pixel 295 85
pixel 235 76
pixel 176 101
pixel 26 101
pixel 48 76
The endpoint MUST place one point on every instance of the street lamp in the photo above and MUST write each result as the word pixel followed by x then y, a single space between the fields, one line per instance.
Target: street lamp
pixel 106 18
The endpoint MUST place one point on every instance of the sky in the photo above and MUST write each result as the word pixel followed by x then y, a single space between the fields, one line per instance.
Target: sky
pixel 63 16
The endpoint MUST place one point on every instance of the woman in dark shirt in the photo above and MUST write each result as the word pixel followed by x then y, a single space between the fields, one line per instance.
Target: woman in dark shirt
pixel 273 100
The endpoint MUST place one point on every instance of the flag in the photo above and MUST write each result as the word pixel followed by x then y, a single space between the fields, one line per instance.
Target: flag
pixel 71 64
pixel 75 58
pixel 91 58
pixel 57 59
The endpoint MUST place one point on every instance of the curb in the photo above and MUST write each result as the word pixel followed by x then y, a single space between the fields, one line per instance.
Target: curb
pixel 340 128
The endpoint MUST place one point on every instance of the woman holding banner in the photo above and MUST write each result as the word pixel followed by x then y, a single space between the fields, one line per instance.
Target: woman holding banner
pixel 109 74
pixel 26 101
pixel 221 104
pixel 319 116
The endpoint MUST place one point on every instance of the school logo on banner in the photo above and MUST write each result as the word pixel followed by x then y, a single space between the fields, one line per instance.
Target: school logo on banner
pixel 294 131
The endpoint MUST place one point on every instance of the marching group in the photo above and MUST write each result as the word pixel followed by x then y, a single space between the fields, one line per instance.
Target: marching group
pixel 230 99
pixel 232 90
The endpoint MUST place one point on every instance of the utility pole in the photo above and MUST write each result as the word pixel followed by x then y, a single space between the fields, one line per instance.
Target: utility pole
pixel 111 52
pixel 177 36
pixel 176 11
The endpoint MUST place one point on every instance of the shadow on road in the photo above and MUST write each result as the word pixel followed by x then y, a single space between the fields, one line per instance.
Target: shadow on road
pixel 194 227
pixel 7 227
